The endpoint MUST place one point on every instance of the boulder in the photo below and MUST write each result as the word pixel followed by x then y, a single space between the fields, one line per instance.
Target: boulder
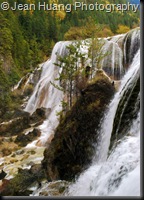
pixel 56 188
pixel 2 174
pixel 18 186
pixel 23 139
pixel 38 116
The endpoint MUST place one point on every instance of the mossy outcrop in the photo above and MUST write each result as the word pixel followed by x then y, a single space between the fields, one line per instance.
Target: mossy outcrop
pixel 72 149
pixel 23 139
pixel 15 125
pixel 22 120
pixel 20 130
pixel 19 185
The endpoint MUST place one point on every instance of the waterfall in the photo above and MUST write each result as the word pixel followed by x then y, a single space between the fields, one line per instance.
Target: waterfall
pixel 107 127
pixel 131 45
pixel 46 95
pixel 112 64
pixel 115 173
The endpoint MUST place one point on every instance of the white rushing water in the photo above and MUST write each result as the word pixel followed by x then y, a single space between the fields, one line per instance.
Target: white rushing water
pixel 110 177
pixel 46 95
pixel 106 129
pixel 119 173
pixel 134 38
pixel 114 60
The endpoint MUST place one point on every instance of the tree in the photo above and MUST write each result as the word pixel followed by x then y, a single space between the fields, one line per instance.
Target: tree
pixel 70 71
pixel 95 51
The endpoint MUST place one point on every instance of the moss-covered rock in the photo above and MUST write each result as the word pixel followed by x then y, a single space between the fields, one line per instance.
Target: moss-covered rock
pixel 71 149
pixel 38 116
pixel 56 188
pixel 18 186
pixel 22 120
pixel 23 139
pixel 15 126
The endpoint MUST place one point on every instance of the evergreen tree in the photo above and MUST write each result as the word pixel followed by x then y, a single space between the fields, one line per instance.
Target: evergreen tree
pixel 96 45
pixel 69 75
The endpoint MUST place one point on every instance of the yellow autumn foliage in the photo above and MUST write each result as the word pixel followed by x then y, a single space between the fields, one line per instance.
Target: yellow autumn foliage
pixel 76 33
pixel 60 15
pixel 122 29
pixel 105 32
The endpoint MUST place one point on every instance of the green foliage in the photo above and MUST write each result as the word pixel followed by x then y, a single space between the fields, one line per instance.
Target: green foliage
pixel 27 37
pixel 4 88
pixel 68 76
pixel 95 52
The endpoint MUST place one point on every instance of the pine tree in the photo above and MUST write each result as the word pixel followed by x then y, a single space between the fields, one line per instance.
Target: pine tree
pixel 95 51
pixel 70 72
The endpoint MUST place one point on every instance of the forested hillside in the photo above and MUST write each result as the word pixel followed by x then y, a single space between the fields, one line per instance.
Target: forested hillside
pixel 27 37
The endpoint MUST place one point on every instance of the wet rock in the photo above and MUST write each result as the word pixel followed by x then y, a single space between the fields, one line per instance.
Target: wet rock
pixel 60 186
pixel 132 44
pixel 71 149
pixel 28 82
pixel 19 152
pixel 7 148
pixel 13 160
pixel 38 116
pixel 32 152
pixel 36 76
pixel 39 142
pixel 31 163
pixel 18 186
pixel 16 125
pixel 55 188
pixel 22 120
pixel 127 111
pixel 2 174
pixel 25 157
pixel 23 139
pixel 4 185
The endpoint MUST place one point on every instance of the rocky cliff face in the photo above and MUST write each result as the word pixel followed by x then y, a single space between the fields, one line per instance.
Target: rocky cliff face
pixel 127 112
pixel 71 149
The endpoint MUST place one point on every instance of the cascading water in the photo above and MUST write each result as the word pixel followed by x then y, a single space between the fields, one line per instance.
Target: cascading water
pixel 111 172
pixel 119 173
pixel 106 130
pixel 50 73
pixel 112 63
pixel 131 45
pixel 46 95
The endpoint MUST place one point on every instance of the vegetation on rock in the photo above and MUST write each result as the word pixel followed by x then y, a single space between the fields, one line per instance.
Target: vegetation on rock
pixel 19 185
pixel 71 149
